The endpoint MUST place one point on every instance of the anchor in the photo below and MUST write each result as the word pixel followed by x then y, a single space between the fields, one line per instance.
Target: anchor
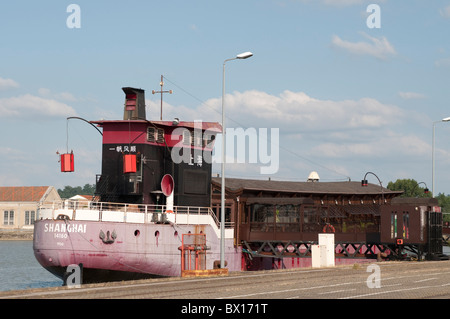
pixel 107 239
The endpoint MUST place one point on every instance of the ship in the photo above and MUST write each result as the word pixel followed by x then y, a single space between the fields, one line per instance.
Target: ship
pixel 156 207
pixel 151 214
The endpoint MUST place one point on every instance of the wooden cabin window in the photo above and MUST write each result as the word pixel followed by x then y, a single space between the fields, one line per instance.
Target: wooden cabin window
pixel 151 134
pixel 287 214
pixel 155 135
pixel 186 137
pixel 393 224
pixel 160 136
pixel 262 213
pixel 269 217
pixel 287 218
pixel 406 225
pixel 310 219
pixel 192 137
pixel 208 139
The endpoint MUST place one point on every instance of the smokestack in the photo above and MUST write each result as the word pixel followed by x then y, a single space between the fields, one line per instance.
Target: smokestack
pixel 134 108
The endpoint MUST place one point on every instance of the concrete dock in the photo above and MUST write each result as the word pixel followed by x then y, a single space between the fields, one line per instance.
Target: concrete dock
pixel 379 280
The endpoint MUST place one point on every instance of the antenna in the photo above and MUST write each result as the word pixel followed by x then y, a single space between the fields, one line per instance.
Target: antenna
pixel 170 92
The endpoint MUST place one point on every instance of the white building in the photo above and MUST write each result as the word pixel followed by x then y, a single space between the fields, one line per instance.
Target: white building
pixel 19 205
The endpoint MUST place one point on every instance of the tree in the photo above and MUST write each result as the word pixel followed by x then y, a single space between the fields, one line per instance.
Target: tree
pixel 410 188
pixel 444 203
pixel 70 191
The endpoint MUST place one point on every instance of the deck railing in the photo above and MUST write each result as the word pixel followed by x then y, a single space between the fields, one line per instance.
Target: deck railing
pixel 141 213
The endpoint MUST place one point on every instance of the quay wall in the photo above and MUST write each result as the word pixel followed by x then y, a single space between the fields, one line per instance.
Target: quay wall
pixel 16 234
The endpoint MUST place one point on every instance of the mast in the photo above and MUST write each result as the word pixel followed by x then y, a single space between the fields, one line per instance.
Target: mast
pixel 153 92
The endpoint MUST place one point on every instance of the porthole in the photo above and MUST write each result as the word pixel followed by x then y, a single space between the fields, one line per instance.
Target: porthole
pixel 137 232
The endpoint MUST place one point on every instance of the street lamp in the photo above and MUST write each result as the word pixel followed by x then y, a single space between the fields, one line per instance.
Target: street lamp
pixel 432 155
pixel 425 191
pixel 365 183
pixel 241 56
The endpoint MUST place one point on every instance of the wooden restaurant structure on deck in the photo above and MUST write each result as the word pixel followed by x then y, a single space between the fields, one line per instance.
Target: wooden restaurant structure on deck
pixel 283 218
pixel 286 210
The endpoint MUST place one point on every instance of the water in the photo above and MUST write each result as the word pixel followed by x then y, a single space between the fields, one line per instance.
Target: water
pixel 19 268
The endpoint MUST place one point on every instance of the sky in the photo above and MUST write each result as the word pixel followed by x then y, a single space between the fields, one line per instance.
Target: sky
pixel 348 88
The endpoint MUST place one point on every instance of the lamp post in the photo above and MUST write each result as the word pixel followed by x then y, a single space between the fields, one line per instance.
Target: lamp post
pixel 425 191
pixel 432 155
pixel 241 56
pixel 364 183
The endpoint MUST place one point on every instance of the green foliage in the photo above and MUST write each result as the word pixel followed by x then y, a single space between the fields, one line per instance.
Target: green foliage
pixel 410 188
pixel 70 191
pixel 444 202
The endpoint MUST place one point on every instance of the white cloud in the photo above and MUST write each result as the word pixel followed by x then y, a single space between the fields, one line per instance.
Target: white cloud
pixel 65 96
pixel 381 147
pixel 28 105
pixel 6 84
pixel 44 92
pixel 379 48
pixel 335 137
pixel 445 63
pixel 411 95
pixel 445 12
pixel 153 112
pixel 296 111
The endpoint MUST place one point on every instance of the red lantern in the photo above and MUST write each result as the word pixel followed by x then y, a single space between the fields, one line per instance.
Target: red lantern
pixel 67 162
pixel 129 163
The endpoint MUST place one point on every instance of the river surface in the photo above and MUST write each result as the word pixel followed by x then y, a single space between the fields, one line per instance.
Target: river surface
pixel 20 270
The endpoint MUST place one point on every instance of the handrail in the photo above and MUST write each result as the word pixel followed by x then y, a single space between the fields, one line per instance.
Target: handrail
pixel 125 208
